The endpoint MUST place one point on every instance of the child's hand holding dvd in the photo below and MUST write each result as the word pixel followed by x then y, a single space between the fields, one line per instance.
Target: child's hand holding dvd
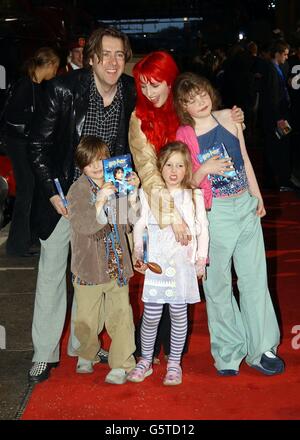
pixel 133 179
pixel 107 190
pixel 217 165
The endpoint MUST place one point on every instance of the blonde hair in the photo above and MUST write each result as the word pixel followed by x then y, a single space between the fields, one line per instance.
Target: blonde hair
pixel 187 86
pixel 90 148
pixel 41 57
pixel 177 147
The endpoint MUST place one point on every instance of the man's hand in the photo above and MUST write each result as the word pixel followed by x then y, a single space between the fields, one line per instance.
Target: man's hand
pixel 182 233
pixel 59 206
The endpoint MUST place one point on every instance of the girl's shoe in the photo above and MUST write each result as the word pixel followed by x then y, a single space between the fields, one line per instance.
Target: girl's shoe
pixel 140 372
pixel 174 374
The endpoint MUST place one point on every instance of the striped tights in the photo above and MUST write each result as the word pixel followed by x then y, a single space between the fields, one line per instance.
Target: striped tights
pixel 151 317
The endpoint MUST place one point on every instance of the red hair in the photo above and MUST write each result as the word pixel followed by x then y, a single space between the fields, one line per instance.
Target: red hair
pixel 158 124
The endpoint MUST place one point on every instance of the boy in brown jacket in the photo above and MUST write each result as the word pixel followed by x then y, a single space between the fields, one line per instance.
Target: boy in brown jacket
pixel 101 263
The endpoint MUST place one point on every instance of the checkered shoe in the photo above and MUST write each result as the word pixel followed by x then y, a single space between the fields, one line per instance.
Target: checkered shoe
pixel 38 368
pixel 40 371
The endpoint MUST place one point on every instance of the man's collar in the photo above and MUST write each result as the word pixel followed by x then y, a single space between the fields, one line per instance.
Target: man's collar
pixel 74 66
pixel 95 92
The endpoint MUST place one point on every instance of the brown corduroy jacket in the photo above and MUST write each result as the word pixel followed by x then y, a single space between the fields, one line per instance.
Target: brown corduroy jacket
pixel 89 261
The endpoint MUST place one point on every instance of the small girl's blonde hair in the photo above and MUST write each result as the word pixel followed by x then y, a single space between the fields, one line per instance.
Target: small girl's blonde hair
pixel 177 147
pixel 187 86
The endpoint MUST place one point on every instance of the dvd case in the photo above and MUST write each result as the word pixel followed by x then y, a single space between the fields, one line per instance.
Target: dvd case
pixel 217 150
pixel 282 130
pixel 117 170
pixel 60 192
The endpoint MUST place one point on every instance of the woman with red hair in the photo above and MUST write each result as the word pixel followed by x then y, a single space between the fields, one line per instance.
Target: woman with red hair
pixel 153 124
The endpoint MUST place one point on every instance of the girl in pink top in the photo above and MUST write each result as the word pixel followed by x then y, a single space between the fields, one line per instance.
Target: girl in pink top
pixel 246 329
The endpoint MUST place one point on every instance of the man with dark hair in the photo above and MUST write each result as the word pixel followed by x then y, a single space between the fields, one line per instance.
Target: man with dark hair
pixel 97 100
pixel 275 116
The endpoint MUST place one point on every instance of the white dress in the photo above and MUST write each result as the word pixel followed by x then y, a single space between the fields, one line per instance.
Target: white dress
pixel 178 283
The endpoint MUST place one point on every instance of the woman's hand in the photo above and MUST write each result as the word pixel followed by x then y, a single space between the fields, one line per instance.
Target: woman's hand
pixel 237 114
pixel 182 233
pixel 216 165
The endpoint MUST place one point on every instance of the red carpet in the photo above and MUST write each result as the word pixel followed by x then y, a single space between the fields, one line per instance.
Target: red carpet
pixel 203 395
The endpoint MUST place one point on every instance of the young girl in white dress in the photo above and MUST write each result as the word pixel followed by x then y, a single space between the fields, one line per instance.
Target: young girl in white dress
pixel 177 285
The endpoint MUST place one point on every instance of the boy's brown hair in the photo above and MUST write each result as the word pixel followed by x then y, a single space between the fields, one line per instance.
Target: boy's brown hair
pixel 177 147
pixel 187 86
pixel 90 148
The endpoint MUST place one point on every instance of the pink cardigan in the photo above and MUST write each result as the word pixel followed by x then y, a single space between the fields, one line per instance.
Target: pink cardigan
pixel 186 134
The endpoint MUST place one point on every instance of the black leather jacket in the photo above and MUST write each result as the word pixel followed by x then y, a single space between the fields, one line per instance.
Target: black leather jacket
pixel 56 130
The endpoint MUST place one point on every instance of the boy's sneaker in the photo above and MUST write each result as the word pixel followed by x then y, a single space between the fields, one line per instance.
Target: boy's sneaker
pixel 84 366
pixel 116 376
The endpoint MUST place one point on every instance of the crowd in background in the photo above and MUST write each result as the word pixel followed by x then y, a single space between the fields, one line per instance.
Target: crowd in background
pixel 245 76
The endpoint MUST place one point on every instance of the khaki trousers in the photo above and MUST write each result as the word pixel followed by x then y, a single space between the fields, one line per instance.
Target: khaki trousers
pixel 105 304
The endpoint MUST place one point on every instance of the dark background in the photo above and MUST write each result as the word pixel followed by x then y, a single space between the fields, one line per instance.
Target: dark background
pixel 26 25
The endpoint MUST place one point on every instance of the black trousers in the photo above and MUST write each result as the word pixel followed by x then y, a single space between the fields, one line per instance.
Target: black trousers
pixel 277 158
pixel 20 236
